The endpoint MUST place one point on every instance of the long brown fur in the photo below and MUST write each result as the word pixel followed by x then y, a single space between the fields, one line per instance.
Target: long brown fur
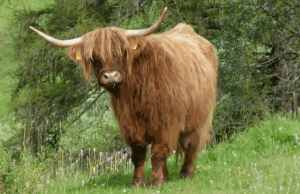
pixel 168 95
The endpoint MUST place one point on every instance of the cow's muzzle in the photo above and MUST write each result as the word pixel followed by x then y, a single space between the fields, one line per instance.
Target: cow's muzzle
pixel 112 77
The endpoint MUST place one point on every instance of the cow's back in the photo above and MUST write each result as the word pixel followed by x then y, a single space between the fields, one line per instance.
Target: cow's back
pixel 198 76
pixel 187 33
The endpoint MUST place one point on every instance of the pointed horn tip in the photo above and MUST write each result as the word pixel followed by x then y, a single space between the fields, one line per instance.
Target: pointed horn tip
pixel 164 11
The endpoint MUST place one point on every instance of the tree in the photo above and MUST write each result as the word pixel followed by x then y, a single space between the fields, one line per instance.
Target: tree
pixel 51 86
pixel 257 43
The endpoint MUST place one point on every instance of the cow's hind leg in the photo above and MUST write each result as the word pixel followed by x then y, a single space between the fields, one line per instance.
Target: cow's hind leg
pixel 159 154
pixel 138 159
pixel 165 172
pixel 190 149
pixel 192 142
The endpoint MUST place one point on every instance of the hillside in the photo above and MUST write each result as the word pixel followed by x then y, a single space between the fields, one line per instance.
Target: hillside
pixel 265 159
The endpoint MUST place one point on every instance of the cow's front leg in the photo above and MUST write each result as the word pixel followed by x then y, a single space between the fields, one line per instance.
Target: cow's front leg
pixel 138 158
pixel 159 154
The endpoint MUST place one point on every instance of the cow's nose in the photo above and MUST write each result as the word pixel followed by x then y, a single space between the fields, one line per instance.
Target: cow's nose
pixel 111 77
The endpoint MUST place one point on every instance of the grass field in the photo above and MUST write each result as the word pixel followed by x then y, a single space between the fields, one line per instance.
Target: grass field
pixel 266 159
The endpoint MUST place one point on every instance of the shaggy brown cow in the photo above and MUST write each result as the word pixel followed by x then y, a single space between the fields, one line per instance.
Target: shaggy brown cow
pixel 163 89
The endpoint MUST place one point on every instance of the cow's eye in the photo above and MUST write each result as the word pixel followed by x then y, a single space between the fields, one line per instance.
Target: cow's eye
pixel 97 62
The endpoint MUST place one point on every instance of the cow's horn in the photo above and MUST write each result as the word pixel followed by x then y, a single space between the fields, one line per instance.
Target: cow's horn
pixel 148 31
pixel 56 42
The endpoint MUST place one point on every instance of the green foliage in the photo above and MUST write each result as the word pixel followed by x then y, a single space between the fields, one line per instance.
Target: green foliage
pixel 93 131
pixel 50 85
pixel 5 169
pixel 58 112
pixel 51 90
pixel 23 175
pixel 249 34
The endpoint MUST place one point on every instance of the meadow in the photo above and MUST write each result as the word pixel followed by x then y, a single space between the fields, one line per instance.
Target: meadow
pixel 262 159
pixel 265 159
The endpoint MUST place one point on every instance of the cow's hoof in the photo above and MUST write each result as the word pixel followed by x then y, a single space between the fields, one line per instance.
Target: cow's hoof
pixel 184 175
pixel 138 183
pixel 154 183
pixel 166 179
pixel 135 186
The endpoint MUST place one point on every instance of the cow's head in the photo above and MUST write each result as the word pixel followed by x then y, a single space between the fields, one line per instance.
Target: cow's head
pixel 109 51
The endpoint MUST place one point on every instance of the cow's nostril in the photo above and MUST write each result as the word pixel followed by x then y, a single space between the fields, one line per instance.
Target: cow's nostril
pixel 105 76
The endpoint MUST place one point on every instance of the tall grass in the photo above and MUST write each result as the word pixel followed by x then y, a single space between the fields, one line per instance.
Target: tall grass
pixel 265 159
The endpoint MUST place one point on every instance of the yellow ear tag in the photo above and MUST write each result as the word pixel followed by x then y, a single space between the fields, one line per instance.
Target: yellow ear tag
pixel 134 47
pixel 78 57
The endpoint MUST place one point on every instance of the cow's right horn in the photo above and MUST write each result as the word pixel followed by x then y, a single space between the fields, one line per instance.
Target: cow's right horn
pixel 148 31
pixel 56 42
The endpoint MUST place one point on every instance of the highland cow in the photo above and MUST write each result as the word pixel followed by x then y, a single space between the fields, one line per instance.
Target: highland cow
pixel 163 89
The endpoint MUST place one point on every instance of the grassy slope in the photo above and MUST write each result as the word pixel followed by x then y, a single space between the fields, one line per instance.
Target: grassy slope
pixel 264 160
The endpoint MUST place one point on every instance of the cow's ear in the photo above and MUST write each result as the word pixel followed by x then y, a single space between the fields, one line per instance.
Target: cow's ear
pixel 137 45
pixel 76 53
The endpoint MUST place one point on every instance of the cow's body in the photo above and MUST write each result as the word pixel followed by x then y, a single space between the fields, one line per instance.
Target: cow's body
pixel 171 100
pixel 173 97
pixel 163 91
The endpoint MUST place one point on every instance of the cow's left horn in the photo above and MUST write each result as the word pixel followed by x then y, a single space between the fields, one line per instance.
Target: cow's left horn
pixel 56 42
pixel 148 31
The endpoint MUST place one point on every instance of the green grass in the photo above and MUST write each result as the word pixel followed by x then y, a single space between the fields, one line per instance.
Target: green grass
pixel 266 159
